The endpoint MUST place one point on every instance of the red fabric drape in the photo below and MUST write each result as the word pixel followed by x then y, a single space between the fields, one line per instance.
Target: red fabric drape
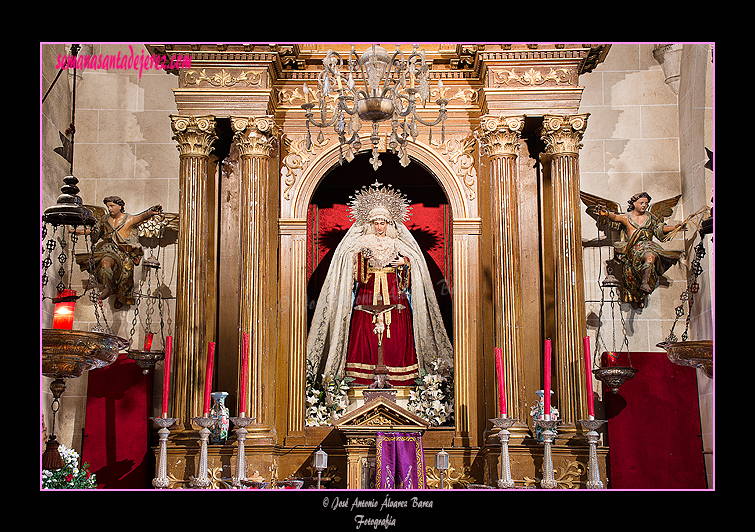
pixel 653 429
pixel 117 426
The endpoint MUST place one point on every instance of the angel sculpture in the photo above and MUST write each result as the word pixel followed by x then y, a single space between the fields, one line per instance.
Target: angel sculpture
pixel 117 248
pixel 643 259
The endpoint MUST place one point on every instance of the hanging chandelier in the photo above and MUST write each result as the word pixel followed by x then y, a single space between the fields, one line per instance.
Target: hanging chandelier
pixel 373 88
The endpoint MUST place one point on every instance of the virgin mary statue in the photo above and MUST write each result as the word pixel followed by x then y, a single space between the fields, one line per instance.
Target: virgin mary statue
pixel 378 262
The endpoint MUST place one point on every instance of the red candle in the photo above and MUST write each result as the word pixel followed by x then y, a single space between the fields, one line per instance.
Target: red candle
pixel 588 378
pixel 547 375
pixel 208 377
pixel 501 383
pixel 148 342
pixel 63 313
pixel 166 374
pixel 244 373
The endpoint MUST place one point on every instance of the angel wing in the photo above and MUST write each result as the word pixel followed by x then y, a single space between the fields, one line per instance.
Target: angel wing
pixel 611 229
pixel 663 209
pixel 592 201
pixel 158 225
pixel 97 210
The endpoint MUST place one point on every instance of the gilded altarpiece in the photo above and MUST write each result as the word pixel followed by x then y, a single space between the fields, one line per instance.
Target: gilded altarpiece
pixel 508 166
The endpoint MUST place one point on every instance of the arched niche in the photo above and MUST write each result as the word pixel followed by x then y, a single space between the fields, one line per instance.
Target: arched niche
pixel 430 221
pixel 418 152
pixel 466 295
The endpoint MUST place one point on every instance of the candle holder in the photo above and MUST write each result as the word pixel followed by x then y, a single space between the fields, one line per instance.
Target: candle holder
pixel 548 482
pixel 503 424
pixel 441 464
pixel 161 480
pixel 593 472
pixel 240 423
pixel 206 423
pixel 321 464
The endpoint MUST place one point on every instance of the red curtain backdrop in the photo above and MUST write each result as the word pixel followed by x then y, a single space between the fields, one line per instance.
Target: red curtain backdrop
pixel 117 426
pixel 653 429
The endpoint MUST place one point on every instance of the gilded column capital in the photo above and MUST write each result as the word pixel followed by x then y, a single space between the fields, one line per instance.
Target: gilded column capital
pixel 500 134
pixel 195 134
pixel 255 135
pixel 563 133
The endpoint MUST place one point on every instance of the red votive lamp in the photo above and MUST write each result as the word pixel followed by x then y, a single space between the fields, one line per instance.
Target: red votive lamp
pixel 148 342
pixel 63 313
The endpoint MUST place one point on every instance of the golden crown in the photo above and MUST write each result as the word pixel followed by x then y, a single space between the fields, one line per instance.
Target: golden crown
pixel 378 195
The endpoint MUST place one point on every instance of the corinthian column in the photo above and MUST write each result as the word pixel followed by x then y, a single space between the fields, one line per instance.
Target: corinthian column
pixel 562 135
pixel 256 138
pixel 499 138
pixel 195 136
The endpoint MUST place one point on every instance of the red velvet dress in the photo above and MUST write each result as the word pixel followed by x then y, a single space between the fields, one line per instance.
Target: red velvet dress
pixel 399 352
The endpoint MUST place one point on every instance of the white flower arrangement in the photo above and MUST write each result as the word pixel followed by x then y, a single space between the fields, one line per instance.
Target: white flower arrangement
pixel 70 476
pixel 327 400
pixel 433 398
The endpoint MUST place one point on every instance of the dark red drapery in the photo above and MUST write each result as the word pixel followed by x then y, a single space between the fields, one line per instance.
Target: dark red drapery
pixel 654 432
pixel 117 426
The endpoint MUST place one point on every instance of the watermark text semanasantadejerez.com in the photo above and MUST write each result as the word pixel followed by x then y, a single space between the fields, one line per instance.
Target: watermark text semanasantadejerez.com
pixel 125 61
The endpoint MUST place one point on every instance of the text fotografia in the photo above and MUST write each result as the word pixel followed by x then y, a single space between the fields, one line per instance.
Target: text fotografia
pixel 125 61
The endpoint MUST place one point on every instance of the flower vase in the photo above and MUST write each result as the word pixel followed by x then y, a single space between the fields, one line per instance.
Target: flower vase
pixel 220 412
pixel 537 411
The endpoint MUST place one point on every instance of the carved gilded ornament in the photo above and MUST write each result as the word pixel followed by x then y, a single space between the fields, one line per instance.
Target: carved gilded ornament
pixel 500 135
pixel 450 478
pixel 222 78
pixel 296 160
pixel 255 136
pixel 567 475
pixel 296 96
pixel 563 133
pixel 459 152
pixel 194 134
pixel 532 77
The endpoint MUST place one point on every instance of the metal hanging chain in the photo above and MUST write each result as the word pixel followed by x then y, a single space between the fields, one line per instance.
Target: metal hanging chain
pixel 688 294
pixel 625 340
pixel 94 294
pixel 54 408
pixel 150 309
pixel 49 247
pixel 598 337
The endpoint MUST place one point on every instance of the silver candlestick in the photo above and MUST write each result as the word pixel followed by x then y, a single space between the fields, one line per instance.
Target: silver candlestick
pixel 206 423
pixel 240 423
pixel 593 472
pixel 161 480
pixel 503 424
pixel 548 482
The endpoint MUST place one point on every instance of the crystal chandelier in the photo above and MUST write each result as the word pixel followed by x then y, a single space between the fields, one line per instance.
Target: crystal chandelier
pixel 391 88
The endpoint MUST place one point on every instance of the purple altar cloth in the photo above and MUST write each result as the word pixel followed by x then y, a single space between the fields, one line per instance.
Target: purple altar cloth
pixel 400 461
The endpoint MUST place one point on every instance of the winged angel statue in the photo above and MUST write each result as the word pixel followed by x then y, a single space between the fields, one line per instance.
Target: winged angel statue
pixel 632 233
pixel 116 237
